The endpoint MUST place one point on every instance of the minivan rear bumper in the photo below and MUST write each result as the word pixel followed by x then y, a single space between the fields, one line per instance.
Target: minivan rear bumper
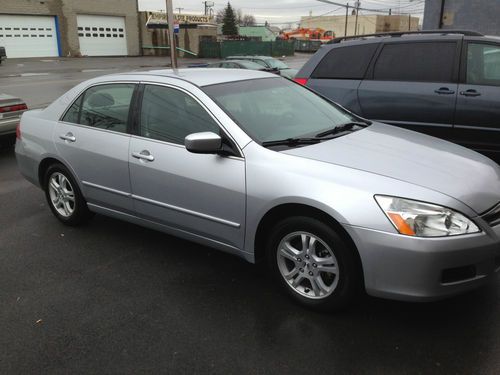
pixel 425 269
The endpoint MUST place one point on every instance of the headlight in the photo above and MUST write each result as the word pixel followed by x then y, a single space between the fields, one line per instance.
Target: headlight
pixel 419 219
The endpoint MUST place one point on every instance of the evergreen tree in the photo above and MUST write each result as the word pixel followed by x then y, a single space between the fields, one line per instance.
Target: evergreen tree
pixel 229 21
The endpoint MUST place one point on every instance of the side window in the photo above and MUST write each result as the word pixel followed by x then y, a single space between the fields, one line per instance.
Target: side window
pixel 170 115
pixel 103 106
pixel 346 62
pixel 483 64
pixel 416 62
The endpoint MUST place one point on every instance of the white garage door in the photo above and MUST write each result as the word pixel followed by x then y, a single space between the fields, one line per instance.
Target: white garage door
pixel 102 35
pixel 28 36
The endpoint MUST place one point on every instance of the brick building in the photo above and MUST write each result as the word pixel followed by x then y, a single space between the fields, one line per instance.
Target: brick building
pixel 34 28
pixel 476 15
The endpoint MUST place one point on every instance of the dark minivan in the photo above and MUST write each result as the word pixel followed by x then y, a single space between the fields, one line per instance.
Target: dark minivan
pixel 443 83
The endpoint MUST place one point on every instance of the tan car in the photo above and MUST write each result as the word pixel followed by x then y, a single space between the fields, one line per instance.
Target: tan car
pixel 11 109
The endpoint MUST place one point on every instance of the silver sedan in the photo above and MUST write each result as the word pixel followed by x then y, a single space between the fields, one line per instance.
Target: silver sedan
pixel 261 167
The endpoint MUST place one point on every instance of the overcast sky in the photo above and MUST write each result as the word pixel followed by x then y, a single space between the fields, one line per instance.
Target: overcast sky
pixel 283 11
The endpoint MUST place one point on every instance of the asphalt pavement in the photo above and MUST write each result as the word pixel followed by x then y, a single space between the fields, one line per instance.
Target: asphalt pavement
pixel 112 297
pixel 40 81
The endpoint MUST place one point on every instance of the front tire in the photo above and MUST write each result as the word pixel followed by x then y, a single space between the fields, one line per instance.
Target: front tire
pixel 64 196
pixel 313 264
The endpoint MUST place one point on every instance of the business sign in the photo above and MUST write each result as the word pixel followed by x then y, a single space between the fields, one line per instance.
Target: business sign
pixel 159 20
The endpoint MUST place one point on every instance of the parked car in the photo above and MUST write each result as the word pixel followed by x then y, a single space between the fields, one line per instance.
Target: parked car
pixel 269 63
pixel 3 55
pixel 11 109
pixel 238 64
pixel 253 164
pixel 442 83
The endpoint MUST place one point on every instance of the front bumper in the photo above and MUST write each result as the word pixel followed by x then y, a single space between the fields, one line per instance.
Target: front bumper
pixel 424 269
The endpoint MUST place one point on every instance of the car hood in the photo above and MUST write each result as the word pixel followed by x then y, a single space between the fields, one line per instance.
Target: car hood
pixel 414 158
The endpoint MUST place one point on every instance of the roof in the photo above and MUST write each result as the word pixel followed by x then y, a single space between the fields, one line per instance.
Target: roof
pixel 208 76
pixel 257 31
pixel 246 57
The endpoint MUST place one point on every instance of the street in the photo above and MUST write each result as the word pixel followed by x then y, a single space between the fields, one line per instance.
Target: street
pixel 111 297
pixel 40 81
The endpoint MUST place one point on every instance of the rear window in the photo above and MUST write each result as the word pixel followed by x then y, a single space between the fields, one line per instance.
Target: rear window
pixel 346 62
pixel 416 62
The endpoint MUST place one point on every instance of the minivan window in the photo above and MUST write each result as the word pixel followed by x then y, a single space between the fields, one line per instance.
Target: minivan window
pixel 483 64
pixel 416 62
pixel 103 106
pixel 170 115
pixel 272 109
pixel 348 62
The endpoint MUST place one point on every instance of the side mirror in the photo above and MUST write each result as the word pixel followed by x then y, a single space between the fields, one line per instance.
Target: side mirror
pixel 203 143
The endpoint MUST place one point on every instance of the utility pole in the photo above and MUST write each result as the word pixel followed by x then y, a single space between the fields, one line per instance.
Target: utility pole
pixel 346 18
pixel 179 9
pixel 357 4
pixel 170 20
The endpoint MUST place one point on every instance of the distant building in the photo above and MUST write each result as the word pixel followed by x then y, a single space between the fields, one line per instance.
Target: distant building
pixel 193 29
pixel 476 15
pixel 261 33
pixel 367 24
pixel 32 28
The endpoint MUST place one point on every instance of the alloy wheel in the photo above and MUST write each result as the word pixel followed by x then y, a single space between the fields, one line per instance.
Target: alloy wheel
pixel 308 265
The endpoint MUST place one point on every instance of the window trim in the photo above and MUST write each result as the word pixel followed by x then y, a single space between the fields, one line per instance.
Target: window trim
pixel 81 94
pixel 370 74
pixel 463 60
pixel 138 109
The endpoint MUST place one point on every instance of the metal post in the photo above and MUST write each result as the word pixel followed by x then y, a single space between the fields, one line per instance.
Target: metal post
pixel 441 15
pixel 409 22
pixel 346 18
pixel 357 4
pixel 170 20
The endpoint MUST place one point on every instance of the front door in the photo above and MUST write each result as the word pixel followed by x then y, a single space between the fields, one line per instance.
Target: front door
pixel 92 138
pixel 477 120
pixel 203 195
pixel 413 85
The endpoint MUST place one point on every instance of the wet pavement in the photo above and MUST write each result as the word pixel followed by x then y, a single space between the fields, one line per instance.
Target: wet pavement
pixel 41 81
pixel 112 297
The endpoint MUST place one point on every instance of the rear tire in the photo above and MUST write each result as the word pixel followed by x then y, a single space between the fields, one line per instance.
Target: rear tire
pixel 64 196
pixel 313 264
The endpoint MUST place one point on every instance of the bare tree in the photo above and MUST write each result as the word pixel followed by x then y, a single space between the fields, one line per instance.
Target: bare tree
pixel 248 20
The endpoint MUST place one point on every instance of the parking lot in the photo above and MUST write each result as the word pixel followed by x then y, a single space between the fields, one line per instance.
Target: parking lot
pixel 111 297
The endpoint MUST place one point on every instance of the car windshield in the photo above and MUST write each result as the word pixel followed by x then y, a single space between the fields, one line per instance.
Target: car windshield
pixel 277 64
pixel 273 109
pixel 251 65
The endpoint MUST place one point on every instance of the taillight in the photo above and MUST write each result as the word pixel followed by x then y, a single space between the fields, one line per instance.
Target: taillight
pixel 18 130
pixel 14 108
pixel 301 81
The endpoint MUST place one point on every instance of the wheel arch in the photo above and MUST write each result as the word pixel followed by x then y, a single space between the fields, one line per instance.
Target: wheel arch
pixel 285 210
pixel 46 162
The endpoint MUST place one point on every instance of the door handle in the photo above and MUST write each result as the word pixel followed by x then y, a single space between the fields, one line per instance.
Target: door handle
pixel 143 155
pixel 444 91
pixel 68 137
pixel 470 93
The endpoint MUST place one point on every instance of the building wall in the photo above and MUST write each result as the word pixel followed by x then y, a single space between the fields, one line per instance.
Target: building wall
pixel 189 39
pixel 367 24
pixel 476 15
pixel 66 12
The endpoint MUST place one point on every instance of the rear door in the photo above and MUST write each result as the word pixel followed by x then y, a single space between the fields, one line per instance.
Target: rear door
pixel 414 84
pixel 477 121
pixel 93 139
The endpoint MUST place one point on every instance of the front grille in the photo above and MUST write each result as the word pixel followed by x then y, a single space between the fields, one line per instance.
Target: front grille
pixel 492 216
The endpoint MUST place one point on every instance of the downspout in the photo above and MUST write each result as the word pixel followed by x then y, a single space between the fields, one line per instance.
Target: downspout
pixel 441 15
